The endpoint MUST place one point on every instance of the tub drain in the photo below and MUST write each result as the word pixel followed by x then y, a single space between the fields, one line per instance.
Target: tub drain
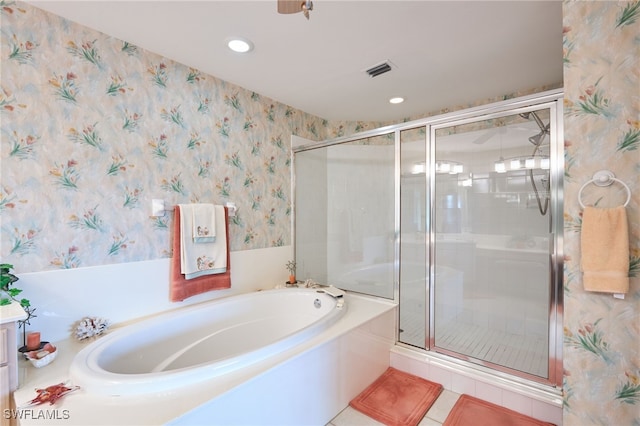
pixel 317 303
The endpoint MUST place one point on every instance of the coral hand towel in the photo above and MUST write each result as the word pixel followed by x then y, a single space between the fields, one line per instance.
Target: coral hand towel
pixel 605 250
pixel 180 288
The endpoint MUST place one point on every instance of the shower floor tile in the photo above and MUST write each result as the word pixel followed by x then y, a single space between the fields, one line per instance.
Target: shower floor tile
pixel 514 350
pixel 523 353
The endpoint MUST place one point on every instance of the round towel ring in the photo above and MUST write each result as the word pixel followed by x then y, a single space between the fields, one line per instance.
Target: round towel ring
pixel 604 178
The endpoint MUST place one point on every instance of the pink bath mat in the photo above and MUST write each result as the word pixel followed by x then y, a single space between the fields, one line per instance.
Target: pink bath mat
pixel 397 398
pixel 473 411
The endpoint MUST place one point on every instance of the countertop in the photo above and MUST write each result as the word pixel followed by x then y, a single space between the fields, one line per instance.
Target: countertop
pixel 11 313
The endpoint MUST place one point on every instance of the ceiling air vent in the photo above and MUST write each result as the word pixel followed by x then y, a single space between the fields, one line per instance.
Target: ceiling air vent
pixel 379 69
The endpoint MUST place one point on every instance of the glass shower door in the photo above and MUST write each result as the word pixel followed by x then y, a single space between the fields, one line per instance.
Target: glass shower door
pixel 492 241
pixel 413 306
pixel 345 215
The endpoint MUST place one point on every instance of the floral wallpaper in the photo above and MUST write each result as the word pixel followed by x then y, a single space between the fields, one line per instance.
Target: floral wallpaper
pixel 601 131
pixel 94 128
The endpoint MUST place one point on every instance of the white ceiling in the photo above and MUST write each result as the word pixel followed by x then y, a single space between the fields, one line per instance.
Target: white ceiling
pixel 443 53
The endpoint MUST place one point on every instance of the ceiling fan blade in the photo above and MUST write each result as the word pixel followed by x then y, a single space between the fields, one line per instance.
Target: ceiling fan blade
pixel 484 137
pixel 489 134
pixel 289 6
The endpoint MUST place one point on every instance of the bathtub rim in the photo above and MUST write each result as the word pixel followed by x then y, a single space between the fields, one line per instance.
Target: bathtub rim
pixel 86 371
pixel 88 409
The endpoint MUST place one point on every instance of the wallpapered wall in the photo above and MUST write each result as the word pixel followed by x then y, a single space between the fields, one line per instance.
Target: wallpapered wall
pixel 93 128
pixel 602 131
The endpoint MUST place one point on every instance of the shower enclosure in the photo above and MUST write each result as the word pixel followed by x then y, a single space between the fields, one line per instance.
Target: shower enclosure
pixel 345 215
pixel 456 217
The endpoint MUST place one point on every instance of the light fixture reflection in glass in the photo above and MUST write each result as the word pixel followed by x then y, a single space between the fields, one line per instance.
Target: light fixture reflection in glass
pixel 499 166
pixel 515 164
pixel 419 168
pixel 544 163
pixel 447 166
pixel 530 163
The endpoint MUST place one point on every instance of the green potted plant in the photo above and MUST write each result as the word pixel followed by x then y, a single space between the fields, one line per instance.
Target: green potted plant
pixel 291 267
pixel 9 293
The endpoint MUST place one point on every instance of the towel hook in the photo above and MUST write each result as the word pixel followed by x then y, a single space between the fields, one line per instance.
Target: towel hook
pixel 604 178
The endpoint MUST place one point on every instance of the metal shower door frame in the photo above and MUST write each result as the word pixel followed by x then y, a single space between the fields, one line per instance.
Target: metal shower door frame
pixel 552 98
pixel 552 101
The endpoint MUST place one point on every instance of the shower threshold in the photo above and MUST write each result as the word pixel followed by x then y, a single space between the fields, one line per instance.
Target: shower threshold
pixel 529 397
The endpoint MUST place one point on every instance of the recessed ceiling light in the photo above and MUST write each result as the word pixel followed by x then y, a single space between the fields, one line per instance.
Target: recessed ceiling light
pixel 397 100
pixel 239 44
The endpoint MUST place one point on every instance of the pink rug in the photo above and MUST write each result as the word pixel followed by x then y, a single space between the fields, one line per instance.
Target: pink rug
pixel 473 411
pixel 397 398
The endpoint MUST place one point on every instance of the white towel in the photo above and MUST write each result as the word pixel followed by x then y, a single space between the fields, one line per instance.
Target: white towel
pixel 198 259
pixel 204 223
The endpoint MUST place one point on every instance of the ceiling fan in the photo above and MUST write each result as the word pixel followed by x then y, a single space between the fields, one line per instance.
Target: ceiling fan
pixel 295 6
pixel 489 134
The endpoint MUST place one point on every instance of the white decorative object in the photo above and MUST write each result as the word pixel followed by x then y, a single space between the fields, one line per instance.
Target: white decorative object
pixel 41 357
pixel 90 327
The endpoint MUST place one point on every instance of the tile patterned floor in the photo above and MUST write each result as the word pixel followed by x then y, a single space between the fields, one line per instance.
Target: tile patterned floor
pixel 462 335
pixel 523 353
pixel 434 417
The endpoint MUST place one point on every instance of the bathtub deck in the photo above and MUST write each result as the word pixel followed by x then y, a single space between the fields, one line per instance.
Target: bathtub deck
pixel 83 408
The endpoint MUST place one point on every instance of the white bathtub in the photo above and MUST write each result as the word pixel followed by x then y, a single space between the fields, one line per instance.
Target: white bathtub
pixel 303 375
pixel 200 342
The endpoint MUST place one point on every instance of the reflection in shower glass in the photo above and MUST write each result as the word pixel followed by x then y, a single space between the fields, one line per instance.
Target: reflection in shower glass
pixel 345 215
pixel 492 245
pixel 414 309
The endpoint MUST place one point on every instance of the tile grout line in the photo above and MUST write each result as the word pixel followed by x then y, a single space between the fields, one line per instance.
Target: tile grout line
pixel 436 418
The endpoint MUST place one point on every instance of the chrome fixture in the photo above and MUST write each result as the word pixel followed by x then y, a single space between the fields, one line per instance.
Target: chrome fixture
pixel 537 140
